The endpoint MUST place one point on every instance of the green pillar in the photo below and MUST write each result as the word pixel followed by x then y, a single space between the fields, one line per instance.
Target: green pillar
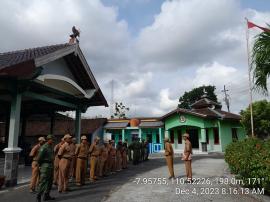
pixel 12 151
pixel 123 135
pixel 140 133
pixel 203 135
pixel 78 125
pixel 160 135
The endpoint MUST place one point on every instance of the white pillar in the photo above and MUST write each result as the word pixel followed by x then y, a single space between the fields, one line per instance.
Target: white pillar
pixel 12 152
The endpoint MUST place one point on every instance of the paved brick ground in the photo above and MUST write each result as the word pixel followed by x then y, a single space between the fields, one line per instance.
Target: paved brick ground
pixel 121 186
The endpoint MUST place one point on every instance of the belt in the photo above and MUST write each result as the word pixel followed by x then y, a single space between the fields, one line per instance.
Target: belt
pixel 94 155
pixel 50 162
pixel 66 158
pixel 83 158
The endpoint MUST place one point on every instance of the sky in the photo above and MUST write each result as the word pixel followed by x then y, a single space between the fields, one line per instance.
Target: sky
pixel 153 50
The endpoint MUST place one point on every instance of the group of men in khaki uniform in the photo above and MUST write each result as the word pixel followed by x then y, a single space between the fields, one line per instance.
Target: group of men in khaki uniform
pixel 186 157
pixel 70 160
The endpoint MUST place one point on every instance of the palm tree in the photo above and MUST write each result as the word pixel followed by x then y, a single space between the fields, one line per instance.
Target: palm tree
pixel 261 61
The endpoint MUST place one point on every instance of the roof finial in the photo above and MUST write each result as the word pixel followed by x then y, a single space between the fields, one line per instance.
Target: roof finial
pixel 73 37
pixel 204 93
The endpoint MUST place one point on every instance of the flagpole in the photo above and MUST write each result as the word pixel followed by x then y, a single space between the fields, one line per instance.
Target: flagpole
pixel 249 81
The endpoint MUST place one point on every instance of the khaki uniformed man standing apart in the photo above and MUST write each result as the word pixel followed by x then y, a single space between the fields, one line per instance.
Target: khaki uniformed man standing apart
pixel 35 166
pixel 169 154
pixel 94 153
pixel 65 155
pixel 45 161
pixel 187 157
pixel 82 154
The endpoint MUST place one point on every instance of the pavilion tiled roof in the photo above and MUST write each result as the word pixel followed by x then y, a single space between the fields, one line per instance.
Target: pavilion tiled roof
pixel 25 64
pixel 8 59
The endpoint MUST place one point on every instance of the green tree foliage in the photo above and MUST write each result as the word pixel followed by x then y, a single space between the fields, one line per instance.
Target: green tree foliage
pixel 261 61
pixel 120 111
pixel 261 119
pixel 195 94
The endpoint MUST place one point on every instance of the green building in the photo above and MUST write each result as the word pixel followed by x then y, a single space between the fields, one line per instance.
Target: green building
pixel 151 129
pixel 210 128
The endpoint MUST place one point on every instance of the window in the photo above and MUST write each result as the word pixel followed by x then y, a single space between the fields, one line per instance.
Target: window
pixel 216 136
pixel 157 138
pixel 179 134
pixel 172 136
pixel 207 135
pixel 113 137
pixel 234 134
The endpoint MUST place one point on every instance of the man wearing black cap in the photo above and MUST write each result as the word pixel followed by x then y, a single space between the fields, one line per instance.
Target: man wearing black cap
pixel 45 161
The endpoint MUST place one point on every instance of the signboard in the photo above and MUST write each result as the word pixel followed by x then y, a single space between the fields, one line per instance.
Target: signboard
pixel 107 136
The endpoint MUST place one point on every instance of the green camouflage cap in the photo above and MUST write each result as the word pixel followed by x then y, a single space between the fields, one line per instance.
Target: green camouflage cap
pixel 50 137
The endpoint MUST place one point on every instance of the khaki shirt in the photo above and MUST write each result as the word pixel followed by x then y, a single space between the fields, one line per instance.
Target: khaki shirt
pixel 65 151
pixel 34 152
pixel 72 149
pixel 94 150
pixel 104 153
pixel 82 151
pixel 168 149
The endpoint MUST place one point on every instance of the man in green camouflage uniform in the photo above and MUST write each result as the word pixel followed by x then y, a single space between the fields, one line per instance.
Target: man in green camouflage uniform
pixel 136 146
pixel 45 161
pixel 142 151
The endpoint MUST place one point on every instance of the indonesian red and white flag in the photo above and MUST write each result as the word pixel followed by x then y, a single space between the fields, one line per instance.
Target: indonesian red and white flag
pixel 251 25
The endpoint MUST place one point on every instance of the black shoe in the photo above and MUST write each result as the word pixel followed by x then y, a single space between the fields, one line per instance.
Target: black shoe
pixel 47 197
pixel 38 198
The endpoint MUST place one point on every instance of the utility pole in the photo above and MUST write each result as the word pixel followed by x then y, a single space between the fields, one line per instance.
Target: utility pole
pixel 226 99
pixel 112 98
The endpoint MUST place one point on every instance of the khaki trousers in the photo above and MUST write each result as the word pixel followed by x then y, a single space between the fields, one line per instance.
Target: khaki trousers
pixel 124 160
pixel 72 167
pixel 169 160
pixel 35 175
pixel 56 170
pixel 113 164
pixel 93 164
pixel 188 169
pixel 118 162
pixel 102 167
pixel 80 171
pixel 63 174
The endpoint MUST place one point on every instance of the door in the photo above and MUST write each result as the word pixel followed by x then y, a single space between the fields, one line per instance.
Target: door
pixel 194 137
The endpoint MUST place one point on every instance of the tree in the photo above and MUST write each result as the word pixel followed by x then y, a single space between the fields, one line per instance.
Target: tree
pixel 261 118
pixel 120 111
pixel 261 61
pixel 195 94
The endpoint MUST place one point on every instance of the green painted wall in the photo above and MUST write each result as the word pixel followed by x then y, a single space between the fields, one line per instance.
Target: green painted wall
pixel 144 132
pixel 224 126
